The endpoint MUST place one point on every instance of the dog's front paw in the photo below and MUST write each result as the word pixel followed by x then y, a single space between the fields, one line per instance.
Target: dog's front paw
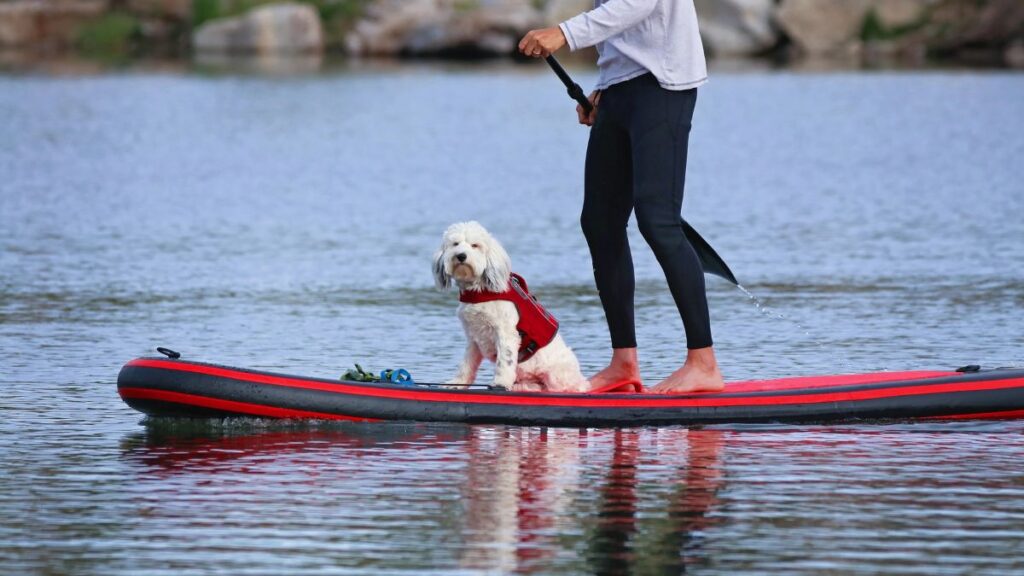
pixel 506 383
pixel 456 383
pixel 527 387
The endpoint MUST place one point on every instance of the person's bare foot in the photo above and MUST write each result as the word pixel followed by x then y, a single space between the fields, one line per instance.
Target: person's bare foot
pixel 623 368
pixel 700 373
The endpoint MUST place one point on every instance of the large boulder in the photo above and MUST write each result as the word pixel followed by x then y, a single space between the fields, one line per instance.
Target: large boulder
pixel 425 27
pixel 387 24
pixel 737 27
pixel 822 26
pixel 894 14
pixel 558 11
pixel 46 24
pixel 287 28
pixel 495 27
pixel 985 32
pixel 18 23
pixel 956 24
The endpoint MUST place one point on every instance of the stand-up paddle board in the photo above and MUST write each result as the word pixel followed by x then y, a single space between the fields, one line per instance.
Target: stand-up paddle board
pixel 179 388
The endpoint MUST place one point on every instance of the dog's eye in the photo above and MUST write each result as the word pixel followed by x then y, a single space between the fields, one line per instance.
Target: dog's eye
pixel 477 246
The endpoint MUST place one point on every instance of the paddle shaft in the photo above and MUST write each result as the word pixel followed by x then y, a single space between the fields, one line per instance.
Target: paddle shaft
pixel 575 92
pixel 710 261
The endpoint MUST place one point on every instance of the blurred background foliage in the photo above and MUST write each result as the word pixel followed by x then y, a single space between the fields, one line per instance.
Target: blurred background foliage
pixel 906 32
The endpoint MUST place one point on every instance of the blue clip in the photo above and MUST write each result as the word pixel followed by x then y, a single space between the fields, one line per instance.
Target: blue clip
pixel 400 377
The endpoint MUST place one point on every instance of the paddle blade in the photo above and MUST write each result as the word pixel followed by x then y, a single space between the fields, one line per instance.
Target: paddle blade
pixel 710 261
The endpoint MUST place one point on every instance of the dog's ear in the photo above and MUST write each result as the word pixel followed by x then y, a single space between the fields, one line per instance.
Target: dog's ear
pixel 499 268
pixel 441 278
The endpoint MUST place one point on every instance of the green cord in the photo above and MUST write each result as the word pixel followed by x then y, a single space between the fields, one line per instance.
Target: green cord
pixel 359 375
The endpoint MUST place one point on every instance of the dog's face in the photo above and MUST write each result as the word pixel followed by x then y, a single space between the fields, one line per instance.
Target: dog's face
pixel 471 257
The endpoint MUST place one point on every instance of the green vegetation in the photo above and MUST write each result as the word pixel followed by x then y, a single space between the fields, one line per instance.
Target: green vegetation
pixel 340 10
pixel 466 5
pixel 331 11
pixel 874 30
pixel 204 10
pixel 114 33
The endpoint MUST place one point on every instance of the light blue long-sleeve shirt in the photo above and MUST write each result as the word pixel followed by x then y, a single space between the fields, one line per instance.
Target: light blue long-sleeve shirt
pixel 634 37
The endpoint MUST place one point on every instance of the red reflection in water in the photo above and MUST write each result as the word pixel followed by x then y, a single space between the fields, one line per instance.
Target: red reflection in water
pixel 527 487
pixel 627 500
pixel 633 537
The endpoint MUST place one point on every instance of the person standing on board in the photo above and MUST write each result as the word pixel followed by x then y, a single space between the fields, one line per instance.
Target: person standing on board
pixel 651 62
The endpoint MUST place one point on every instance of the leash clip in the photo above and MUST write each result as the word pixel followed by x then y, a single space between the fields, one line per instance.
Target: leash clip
pixel 400 377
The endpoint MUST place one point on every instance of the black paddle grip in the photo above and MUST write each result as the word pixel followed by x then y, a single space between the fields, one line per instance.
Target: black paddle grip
pixel 576 93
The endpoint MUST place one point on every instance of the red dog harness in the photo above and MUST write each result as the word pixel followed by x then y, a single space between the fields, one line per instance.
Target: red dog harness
pixel 537 327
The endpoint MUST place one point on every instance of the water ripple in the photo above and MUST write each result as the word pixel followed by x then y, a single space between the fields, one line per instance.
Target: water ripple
pixel 289 224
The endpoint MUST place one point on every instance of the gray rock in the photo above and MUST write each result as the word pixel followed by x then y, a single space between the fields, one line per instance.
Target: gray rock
pixel 896 13
pixel 1014 54
pixel 957 24
pixel 46 24
pixel 18 22
pixel 388 25
pixel 971 31
pixel 438 26
pixel 558 11
pixel 737 27
pixel 271 29
pixel 820 27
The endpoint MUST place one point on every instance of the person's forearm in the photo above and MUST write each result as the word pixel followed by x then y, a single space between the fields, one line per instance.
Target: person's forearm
pixel 605 21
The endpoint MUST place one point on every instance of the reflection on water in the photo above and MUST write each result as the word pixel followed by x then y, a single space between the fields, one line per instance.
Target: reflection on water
pixel 622 542
pixel 626 500
pixel 532 500
pixel 271 64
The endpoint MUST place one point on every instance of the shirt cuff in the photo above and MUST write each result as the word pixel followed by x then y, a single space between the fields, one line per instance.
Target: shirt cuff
pixel 569 38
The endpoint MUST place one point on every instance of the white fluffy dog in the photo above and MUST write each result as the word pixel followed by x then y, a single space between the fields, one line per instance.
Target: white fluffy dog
pixel 475 261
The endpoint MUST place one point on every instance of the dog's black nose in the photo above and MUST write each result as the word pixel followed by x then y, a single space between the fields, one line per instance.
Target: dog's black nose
pixel 461 257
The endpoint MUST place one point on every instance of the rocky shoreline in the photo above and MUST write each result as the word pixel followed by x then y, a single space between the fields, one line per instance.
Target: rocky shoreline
pixel 983 32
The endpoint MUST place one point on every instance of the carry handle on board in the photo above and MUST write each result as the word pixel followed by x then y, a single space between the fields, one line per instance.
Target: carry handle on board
pixel 710 261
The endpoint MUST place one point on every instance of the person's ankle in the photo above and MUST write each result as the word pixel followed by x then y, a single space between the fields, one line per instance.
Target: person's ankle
pixel 703 358
pixel 624 359
pixel 625 365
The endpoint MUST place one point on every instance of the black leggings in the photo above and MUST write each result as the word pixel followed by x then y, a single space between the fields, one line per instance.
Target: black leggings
pixel 636 161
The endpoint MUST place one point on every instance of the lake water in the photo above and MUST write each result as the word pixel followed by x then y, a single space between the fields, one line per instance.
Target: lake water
pixel 287 223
